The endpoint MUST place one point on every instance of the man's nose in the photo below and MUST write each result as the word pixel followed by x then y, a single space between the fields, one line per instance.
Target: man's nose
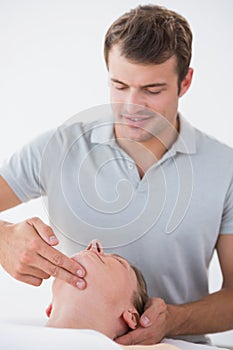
pixel 133 109
pixel 134 102
pixel 96 246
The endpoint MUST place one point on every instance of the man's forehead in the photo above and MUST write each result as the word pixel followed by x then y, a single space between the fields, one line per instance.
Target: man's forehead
pixel 125 72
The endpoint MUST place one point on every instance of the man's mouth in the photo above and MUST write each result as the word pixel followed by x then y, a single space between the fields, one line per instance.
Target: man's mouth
pixel 135 120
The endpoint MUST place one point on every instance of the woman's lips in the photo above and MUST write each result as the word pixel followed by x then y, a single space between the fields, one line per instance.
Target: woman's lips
pixel 96 254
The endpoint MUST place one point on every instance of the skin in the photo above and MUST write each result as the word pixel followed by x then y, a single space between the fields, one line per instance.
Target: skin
pixel 106 305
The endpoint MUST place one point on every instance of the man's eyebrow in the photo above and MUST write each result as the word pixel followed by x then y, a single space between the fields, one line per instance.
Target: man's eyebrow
pixel 144 86
pixel 154 85
pixel 119 82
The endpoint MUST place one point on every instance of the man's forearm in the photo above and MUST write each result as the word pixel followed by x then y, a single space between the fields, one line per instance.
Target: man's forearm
pixel 214 313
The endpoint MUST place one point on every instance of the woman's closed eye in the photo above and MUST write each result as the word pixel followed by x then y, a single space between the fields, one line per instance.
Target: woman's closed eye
pixel 120 260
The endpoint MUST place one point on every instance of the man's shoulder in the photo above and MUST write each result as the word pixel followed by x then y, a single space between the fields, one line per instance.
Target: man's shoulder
pixel 72 132
pixel 212 146
pixel 89 132
pixel 76 128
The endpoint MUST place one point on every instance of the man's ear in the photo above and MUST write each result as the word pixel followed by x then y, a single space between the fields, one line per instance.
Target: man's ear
pixel 186 82
pixel 131 318
pixel 49 310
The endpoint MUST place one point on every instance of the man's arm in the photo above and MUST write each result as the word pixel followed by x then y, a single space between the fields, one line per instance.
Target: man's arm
pixel 214 313
pixel 8 198
pixel 26 248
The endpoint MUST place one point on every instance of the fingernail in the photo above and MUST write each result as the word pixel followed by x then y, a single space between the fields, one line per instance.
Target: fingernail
pixel 80 273
pixel 80 284
pixel 53 239
pixel 146 321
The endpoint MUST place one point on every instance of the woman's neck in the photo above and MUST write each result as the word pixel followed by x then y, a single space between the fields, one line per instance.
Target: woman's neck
pixel 64 318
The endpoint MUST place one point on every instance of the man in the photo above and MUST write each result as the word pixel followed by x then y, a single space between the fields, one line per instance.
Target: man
pixel 147 184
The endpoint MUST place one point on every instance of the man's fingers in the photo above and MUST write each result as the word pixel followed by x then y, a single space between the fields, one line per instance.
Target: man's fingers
pixel 55 263
pixel 152 311
pixel 58 265
pixel 63 274
pixel 35 276
pixel 31 257
pixel 33 271
pixel 138 336
pixel 39 259
pixel 48 269
pixel 45 231
pixel 145 321
pixel 125 339
pixel 29 279
pixel 132 338
pixel 59 259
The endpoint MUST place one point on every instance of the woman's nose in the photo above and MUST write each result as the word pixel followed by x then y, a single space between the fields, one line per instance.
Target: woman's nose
pixel 96 245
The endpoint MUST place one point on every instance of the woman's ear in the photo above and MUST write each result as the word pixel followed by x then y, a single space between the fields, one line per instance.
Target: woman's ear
pixel 131 318
pixel 49 310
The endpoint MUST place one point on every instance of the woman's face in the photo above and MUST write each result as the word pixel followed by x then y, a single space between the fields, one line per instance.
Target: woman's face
pixel 107 302
pixel 110 281
pixel 109 277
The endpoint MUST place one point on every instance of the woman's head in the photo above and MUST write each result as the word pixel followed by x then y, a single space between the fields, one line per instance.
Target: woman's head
pixel 112 301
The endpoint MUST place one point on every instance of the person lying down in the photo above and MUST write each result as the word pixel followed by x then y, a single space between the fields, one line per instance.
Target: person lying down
pixel 112 302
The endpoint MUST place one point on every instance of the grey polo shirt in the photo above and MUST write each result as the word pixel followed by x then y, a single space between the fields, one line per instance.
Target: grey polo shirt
pixel 166 223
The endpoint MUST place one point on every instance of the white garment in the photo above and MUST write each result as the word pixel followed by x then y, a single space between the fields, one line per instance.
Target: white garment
pixel 22 337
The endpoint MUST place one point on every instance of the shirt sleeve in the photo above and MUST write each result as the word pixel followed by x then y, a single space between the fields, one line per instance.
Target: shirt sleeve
pixel 227 217
pixel 22 170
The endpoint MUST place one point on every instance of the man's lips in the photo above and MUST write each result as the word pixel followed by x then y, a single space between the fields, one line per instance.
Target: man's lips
pixel 136 120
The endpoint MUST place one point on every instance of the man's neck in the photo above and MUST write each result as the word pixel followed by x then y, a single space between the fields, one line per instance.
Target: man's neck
pixel 147 153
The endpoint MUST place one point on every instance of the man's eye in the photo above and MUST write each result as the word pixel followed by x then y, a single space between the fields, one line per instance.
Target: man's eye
pixel 153 92
pixel 120 87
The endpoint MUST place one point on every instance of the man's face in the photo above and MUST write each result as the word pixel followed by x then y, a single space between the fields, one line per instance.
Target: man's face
pixel 141 94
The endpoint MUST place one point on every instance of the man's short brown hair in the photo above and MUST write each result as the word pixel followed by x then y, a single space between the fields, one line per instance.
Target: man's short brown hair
pixel 151 34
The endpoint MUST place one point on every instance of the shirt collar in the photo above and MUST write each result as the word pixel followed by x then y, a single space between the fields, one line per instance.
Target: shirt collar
pixel 103 133
pixel 186 140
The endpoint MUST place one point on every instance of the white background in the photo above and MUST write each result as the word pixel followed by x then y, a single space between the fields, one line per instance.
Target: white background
pixel 52 66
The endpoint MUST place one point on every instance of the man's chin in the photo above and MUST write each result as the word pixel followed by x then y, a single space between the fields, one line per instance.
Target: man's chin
pixel 135 134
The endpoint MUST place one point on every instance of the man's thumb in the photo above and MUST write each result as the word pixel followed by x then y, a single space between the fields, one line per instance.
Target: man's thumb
pixel 145 321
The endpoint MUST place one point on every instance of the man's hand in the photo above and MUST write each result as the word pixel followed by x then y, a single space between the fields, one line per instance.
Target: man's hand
pixel 153 325
pixel 27 253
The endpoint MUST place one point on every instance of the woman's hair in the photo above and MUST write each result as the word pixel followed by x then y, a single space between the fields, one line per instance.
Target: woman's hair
pixel 151 34
pixel 140 297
